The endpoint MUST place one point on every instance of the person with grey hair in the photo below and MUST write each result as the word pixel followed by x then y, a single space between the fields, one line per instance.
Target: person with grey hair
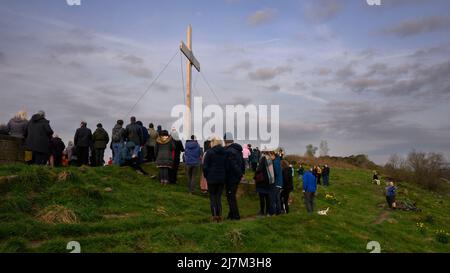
pixel 83 142
pixel 37 138
pixel 18 124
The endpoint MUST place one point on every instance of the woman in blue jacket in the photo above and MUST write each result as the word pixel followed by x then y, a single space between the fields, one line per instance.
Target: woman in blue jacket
pixel 192 155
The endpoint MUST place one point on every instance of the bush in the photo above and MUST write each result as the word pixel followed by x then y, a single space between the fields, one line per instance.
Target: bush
pixel 426 170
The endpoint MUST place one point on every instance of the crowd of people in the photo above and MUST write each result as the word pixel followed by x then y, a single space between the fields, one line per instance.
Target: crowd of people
pixel 222 163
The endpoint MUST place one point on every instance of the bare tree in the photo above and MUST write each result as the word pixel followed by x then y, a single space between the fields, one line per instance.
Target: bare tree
pixel 427 169
pixel 324 150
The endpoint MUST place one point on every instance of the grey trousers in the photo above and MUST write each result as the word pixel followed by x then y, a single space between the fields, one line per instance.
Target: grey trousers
pixel 309 201
pixel 191 171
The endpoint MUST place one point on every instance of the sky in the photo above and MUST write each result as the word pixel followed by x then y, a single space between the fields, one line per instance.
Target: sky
pixel 369 80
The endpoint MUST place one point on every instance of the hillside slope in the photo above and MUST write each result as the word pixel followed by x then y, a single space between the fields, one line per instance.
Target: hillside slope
pixel 116 210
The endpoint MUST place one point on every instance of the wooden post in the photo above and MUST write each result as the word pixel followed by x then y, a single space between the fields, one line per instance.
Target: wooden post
pixel 192 61
pixel 188 117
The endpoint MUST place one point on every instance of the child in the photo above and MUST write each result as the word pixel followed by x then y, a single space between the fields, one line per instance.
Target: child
pixel 390 195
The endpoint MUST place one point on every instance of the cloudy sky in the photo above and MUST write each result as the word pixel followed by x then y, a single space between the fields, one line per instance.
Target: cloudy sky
pixel 368 79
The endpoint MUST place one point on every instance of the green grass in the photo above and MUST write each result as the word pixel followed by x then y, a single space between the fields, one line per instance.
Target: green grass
pixel 141 216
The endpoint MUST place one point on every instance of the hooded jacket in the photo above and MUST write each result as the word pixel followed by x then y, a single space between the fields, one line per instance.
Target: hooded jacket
pixel 17 127
pixel 100 138
pixel 192 153
pixel 278 172
pixel 215 166
pixel 165 152
pixel 38 134
pixel 236 164
pixel 153 135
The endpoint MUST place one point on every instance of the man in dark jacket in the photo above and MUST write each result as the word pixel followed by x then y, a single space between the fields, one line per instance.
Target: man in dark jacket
pixel 57 147
pixel 38 135
pixel 83 142
pixel 173 172
pixel 117 142
pixel 151 143
pixel 145 137
pixel 326 175
pixel 192 161
pixel 101 140
pixel 133 133
pixel 234 175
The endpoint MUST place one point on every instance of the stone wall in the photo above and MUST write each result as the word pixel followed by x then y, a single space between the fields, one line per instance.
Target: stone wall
pixel 11 149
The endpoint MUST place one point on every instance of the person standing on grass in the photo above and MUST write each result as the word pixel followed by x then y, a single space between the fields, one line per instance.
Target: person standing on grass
pixel 117 142
pixel 215 169
pixel 83 142
pixel 57 147
pixel 288 186
pixel 203 182
pixel 254 159
pixel 391 192
pixel 165 152
pixel 173 172
pixel 235 174
pixel 246 153
pixel 133 133
pixel 192 160
pixel 153 135
pixel 326 175
pixel 264 178
pixel 145 137
pixel 37 138
pixel 101 140
pixel 276 189
pixel 309 190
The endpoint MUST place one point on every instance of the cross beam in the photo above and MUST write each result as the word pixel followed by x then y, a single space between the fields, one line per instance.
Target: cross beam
pixel 192 61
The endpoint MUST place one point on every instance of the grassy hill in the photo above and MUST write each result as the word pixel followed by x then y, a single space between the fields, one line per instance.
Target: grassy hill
pixel 116 210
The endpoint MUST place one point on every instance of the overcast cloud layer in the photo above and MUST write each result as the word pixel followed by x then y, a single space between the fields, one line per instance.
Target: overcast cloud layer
pixel 372 80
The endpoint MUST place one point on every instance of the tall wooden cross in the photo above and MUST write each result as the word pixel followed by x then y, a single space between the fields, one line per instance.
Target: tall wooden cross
pixel 192 61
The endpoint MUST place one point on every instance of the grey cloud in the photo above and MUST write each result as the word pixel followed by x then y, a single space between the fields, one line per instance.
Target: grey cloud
pixel 323 71
pixel 433 81
pixel 261 17
pixel 345 72
pixel 2 57
pixel 76 49
pixel 431 51
pixel 139 72
pixel 132 59
pixel 273 88
pixel 418 26
pixel 265 74
pixel 356 121
pixel 243 65
pixel 320 11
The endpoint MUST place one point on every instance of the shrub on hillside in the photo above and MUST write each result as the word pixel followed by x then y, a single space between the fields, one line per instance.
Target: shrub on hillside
pixel 426 170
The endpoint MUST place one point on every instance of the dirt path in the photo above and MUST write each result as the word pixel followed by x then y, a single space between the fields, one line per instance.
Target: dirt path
pixel 383 217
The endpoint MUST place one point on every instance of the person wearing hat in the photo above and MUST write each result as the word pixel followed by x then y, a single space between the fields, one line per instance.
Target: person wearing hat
pixel 234 175
pixel 101 140
pixel 165 153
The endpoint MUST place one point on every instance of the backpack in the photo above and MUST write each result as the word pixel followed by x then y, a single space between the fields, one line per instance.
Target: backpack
pixel 117 135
